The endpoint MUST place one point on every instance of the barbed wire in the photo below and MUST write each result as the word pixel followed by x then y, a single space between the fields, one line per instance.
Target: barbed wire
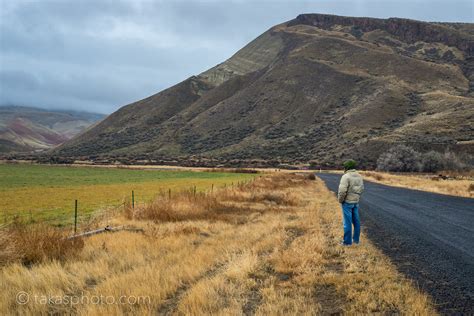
pixel 63 217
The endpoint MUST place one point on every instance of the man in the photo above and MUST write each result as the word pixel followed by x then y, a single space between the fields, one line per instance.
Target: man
pixel 350 189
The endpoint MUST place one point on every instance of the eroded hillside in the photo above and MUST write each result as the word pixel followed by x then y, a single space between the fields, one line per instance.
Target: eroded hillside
pixel 318 87
pixel 24 129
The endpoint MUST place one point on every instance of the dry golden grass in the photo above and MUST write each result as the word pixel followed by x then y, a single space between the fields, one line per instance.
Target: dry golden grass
pixel 458 186
pixel 8 251
pixel 30 244
pixel 269 247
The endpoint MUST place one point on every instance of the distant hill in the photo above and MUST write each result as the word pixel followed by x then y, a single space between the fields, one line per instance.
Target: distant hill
pixel 26 129
pixel 319 87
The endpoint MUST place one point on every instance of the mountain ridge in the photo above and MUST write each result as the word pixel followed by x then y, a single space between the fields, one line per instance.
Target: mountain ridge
pixel 318 87
pixel 26 129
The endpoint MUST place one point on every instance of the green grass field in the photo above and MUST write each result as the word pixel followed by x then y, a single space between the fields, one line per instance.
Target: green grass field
pixel 47 193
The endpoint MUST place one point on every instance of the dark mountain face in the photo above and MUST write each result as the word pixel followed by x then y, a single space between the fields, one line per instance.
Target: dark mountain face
pixel 25 129
pixel 318 87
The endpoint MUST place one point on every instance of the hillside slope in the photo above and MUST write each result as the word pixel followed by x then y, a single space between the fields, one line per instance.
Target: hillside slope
pixel 24 129
pixel 319 87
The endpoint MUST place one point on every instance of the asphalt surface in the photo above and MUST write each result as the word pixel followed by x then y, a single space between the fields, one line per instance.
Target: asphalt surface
pixel 428 236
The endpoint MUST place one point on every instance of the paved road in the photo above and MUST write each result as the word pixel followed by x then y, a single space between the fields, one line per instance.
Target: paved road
pixel 429 237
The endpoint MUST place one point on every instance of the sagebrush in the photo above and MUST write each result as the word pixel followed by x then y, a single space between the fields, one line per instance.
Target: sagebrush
pixel 402 158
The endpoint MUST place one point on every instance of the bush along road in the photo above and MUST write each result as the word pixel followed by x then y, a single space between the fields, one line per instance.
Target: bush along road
pixel 428 236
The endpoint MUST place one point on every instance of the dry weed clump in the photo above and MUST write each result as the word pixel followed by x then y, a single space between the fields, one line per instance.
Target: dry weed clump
pixel 182 206
pixel 375 175
pixel 276 198
pixel 8 251
pixel 219 205
pixel 278 182
pixel 255 194
pixel 470 189
pixel 30 244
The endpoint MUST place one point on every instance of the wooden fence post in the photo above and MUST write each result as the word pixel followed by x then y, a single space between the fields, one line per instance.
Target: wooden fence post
pixel 75 217
pixel 133 199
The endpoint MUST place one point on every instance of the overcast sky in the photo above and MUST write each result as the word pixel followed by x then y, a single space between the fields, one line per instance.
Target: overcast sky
pixel 99 55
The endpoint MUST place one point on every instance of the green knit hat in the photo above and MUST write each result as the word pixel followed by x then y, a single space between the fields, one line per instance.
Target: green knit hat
pixel 350 164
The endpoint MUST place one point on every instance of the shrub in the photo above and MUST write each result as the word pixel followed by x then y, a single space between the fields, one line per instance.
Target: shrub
pixel 452 162
pixel 432 161
pixel 468 160
pixel 400 158
pixel 311 176
pixel 406 159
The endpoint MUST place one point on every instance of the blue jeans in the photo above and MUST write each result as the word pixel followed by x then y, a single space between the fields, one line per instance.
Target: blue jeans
pixel 350 212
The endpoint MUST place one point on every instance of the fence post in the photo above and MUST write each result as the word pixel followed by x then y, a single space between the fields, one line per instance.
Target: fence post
pixel 194 190
pixel 169 194
pixel 75 217
pixel 212 188
pixel 133 199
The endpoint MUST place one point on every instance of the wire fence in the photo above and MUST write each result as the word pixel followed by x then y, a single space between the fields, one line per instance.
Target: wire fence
pixel 80 214
pixel 61 218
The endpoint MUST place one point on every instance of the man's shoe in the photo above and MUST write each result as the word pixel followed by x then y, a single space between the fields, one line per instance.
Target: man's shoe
pixel 344 244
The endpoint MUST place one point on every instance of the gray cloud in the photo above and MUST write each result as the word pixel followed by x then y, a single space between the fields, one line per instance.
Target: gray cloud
pixel 102 54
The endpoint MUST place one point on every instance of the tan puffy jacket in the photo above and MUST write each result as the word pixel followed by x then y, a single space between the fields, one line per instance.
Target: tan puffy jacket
pixel 350 187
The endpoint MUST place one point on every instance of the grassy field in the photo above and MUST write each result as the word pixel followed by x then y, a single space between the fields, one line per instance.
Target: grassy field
pixel 269 247
pixel 48 192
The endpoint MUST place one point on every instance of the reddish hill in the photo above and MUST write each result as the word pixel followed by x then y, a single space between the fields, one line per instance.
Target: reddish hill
pixel 24 129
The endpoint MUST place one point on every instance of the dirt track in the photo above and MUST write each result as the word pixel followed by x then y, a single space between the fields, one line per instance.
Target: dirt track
pixel 428 236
